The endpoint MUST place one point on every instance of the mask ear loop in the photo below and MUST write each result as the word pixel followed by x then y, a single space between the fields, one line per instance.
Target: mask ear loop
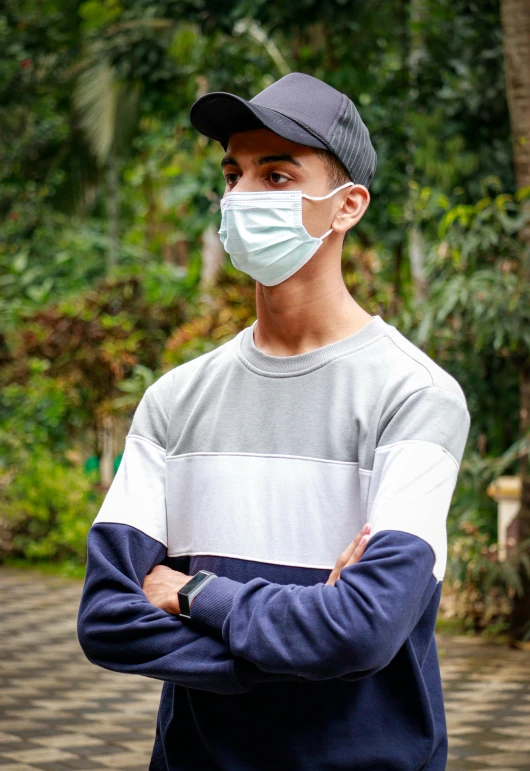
pixel 323 197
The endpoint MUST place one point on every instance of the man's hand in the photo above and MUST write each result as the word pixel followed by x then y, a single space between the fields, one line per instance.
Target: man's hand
pixel 352 554
pixel 161 586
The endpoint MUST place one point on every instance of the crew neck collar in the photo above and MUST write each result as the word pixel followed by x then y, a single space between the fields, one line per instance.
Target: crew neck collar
pixel 264 363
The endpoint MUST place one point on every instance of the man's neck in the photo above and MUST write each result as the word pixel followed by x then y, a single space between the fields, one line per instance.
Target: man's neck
pixel 298 317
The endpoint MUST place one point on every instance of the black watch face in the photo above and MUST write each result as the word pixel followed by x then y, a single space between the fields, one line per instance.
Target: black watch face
pixel 192 584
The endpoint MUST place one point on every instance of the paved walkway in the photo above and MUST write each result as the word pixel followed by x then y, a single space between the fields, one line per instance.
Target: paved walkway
pixel 58 711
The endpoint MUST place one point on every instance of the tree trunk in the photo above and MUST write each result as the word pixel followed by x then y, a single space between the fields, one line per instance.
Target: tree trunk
pixel 515 18
pixel 398 260
pixel 106 462
pixel 418 13
pixel 417 262
pixel 113 209
pixel 213 256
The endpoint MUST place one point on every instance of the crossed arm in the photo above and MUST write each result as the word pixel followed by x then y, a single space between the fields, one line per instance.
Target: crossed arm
pixel 128 620
pixel 350 627
pixel 162 584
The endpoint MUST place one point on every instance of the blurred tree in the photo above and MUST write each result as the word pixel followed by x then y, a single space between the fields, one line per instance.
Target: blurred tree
pixel 516 28
pixel 89 345
pixel 105 189
pixel 431 92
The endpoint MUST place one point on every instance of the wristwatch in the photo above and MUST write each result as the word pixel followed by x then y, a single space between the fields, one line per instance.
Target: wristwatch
pixel 190 590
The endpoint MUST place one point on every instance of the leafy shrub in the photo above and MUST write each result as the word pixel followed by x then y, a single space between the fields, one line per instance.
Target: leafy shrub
pixel 41 412
pixel 480 588
pixel 47 507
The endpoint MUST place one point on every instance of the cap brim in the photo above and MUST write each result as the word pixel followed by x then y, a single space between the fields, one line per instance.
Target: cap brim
pixel 220 114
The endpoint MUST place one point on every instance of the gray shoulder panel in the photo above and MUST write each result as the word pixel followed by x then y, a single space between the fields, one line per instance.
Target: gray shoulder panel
pixel 431 414
pixel 383 392
pixel 150 420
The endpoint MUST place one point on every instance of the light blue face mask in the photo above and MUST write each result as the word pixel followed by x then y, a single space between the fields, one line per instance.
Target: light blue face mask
pixel 264 235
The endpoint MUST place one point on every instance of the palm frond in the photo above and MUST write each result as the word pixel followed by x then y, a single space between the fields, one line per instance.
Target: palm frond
pixel 96 99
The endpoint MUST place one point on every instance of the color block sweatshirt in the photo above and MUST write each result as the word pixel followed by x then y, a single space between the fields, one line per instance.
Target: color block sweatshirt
pixel 263 469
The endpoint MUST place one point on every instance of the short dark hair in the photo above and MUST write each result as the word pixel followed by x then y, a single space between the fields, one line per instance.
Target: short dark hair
pixel 337 174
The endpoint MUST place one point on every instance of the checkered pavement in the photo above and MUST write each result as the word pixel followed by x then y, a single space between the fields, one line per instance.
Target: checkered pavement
pixel 59 712
pixel 487 704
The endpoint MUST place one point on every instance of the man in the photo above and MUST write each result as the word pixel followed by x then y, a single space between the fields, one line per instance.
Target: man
pixel 247 470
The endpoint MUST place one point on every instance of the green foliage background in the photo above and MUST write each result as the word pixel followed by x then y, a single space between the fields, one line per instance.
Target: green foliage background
pixel 105 192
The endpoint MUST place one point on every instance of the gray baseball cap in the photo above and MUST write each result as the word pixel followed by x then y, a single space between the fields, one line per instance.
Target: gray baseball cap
pixel 297 107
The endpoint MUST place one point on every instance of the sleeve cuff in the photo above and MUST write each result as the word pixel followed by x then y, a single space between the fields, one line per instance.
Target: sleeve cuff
pixel 213 604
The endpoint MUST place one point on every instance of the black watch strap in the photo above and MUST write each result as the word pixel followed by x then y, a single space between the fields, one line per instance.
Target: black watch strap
pixel 190 590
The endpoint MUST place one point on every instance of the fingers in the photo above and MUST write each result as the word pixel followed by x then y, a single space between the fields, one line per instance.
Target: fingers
pixel 364 532
pixel 359 545
pixel 362 537
pixel 356 549
pixel 351 554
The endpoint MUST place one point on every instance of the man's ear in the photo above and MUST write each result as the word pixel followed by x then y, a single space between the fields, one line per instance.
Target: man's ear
pixel 354 206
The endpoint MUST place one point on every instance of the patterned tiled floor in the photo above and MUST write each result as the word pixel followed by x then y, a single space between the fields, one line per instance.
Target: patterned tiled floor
pixel 487 704
pixel 58 711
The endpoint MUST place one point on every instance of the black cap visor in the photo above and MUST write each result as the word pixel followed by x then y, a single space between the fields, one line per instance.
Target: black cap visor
pixel 219 114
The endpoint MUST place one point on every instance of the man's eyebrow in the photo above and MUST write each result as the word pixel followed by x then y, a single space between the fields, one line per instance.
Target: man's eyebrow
pixel 276 158
pixel 229 160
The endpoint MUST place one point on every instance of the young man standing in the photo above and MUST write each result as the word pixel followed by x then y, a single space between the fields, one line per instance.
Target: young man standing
pixel 247 471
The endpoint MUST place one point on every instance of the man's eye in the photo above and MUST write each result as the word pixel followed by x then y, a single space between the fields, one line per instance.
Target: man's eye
pixel 230 179
pixel 278 178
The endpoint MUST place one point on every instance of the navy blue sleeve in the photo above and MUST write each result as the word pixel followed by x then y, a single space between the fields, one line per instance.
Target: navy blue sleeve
pixel 355 627
pixel 119 629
